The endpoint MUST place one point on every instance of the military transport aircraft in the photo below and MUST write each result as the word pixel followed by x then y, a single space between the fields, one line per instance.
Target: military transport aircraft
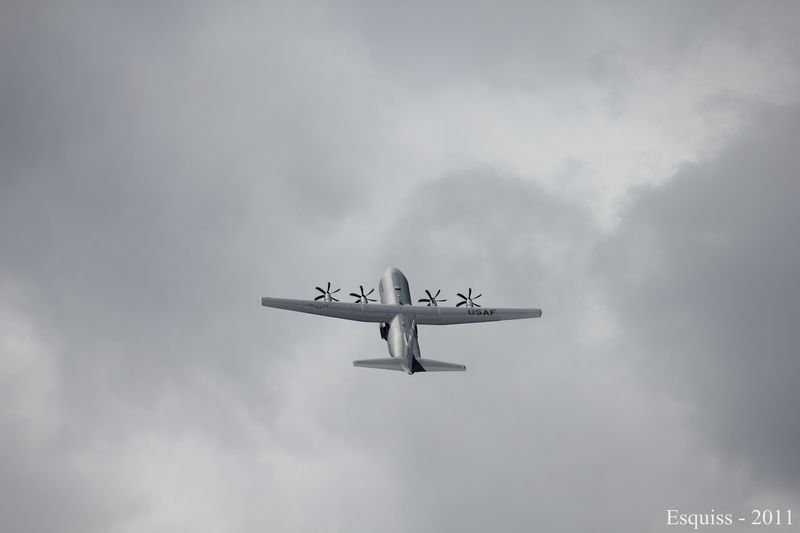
pixel 398 319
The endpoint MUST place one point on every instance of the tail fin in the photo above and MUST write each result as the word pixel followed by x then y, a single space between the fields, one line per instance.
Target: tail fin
pixel 429 365
pixel 385 363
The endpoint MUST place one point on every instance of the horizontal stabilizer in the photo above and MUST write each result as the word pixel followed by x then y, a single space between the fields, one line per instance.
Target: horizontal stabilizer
pixel 386 363
pixel 429 365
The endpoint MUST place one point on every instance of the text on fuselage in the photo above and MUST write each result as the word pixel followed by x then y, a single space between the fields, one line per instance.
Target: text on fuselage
pixel 480 311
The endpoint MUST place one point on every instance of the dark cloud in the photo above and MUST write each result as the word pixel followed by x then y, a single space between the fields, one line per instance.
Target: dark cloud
pixel 703 273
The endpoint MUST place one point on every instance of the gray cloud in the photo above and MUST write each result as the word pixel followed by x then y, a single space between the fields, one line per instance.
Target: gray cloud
pixel 703 273
pixel 164 166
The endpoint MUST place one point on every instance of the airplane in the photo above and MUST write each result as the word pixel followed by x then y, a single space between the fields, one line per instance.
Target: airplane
pixel 398 319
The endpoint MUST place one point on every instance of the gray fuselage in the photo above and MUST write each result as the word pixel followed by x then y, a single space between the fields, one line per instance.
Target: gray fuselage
pixel 401 332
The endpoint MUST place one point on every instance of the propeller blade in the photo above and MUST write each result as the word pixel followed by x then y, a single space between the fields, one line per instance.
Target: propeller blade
pixel 371 291
pixel 320 297
pixel 476 297
pixel 337 290
pixel 461 295
pixel 430 296
pixel 437 295
pixel 443 300
pixel 334 299
pixel 356 295
pixel 476 305
pixel 459 304
pixel 320 290
pixel 329 287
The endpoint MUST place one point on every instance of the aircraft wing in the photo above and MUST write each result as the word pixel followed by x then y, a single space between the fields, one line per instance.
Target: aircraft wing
pixel 467 315
pixel 348 311
pixel 384 313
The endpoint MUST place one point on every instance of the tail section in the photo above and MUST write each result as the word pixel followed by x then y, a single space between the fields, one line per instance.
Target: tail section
pixel 417 365
pixel 429 365
pixel 384 364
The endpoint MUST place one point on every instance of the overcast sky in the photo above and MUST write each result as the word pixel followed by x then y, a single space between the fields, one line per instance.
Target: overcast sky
pixel 630 168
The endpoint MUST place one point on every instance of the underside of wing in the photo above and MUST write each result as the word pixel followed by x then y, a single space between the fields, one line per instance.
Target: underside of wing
pixel 470 315
pixel 368 312
pixel 361 312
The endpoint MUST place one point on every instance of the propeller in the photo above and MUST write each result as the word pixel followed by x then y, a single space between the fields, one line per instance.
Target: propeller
pixel 468 299
pixel 327 294
pixel 432 299
pixel 363 298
